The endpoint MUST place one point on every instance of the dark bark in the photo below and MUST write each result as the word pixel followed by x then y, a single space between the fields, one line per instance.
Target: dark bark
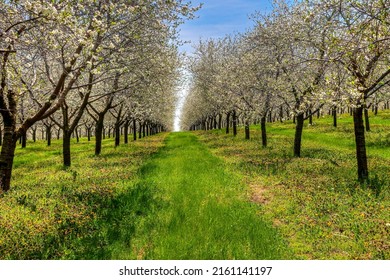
pixel 300 119
pixel 24 139
pixel 58 133
pixel 234 123
pixel 117 134
pixel 263 131
pixel 367 119
pixel 334 114
pixel 227 122
pixel 89 133
pixel 66 136
pixel 66 148
pixel 98 134
pixel 134 130
pixel 360 141
pixel 77 136
pixel 48 134
pixel 126 132
pixel 34 134
pixel 247 130
pixel 7 156
pixel 219 121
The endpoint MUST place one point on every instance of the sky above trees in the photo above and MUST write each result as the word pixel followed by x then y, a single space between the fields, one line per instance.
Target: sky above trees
pixel 217 18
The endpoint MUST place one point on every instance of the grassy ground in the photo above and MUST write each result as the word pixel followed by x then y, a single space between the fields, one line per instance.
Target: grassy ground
pixel 152 199
pixel 199 210
pixel 315 200
pixel 56 213
pixel 171 197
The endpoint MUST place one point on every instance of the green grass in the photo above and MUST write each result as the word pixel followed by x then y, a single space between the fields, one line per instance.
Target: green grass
pixel 151 199
pixel 197 210
pixel 53 212
pixel 316 201
pixel 203 195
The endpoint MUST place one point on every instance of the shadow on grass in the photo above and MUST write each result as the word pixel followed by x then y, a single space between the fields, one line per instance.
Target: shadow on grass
pixel 116 222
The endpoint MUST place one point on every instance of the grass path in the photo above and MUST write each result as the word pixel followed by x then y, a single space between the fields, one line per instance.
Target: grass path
pixel 193 209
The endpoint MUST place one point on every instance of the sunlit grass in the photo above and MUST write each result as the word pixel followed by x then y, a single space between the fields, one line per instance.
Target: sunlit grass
pixel 316 200
pixel 200 211
pixel 175 200
pixel 52 212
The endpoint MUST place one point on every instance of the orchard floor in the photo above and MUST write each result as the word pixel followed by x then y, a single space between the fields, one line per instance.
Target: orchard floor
pixel 197 210
pixel 202 195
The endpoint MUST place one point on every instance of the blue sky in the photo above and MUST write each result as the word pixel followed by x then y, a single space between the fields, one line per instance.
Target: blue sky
pixel 217 18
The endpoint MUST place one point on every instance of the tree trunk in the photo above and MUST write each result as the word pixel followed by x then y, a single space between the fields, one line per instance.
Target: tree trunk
pixel 48 135
pixel 263 131
pixel 219 121
pixel 126 132
pixel 139 130
pixel 334 114
pixel 366 118
pixel 134 130
pixel 98 135
pixel 360 141
pixel 1 135
pixel 66 147
pixel 117 134
pixel 247 130
pixel 77 135
pixel 24 140
pixel 234 123
pixel 270 116
pixel 34 135
pixel 227 122
pixel 298 134
pixel 7 157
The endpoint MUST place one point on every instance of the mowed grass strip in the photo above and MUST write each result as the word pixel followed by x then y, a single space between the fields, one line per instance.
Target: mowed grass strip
pixel 199 211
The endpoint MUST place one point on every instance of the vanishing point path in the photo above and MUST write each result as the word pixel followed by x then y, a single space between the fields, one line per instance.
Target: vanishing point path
pixel 192 208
